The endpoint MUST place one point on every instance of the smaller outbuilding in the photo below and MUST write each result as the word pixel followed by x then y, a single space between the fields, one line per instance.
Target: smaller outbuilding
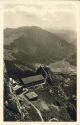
pixel 31 95
pixel 18 89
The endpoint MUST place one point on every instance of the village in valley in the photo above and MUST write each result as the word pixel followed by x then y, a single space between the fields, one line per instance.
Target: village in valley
pixel 38 95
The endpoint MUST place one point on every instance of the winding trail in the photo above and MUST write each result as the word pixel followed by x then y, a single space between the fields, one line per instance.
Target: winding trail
pixel 18 104
pixel 39 113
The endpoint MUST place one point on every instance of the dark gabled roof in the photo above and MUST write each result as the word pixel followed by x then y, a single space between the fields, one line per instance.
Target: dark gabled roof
pixel 32 79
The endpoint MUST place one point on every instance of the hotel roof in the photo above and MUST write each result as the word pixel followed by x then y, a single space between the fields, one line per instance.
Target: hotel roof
pixel 32 79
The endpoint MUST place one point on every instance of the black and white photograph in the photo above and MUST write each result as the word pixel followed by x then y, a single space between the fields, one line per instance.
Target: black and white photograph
pixel 40 62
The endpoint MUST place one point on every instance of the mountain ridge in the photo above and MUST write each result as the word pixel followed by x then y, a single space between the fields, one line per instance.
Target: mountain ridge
pixel 34 44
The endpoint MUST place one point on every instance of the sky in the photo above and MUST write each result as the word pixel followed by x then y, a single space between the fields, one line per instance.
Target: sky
pixel 45 14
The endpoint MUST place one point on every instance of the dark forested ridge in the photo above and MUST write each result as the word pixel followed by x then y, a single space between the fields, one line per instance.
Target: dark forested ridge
pixel 33 44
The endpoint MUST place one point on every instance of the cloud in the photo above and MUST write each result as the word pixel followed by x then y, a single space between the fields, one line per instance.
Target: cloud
pixel 43 14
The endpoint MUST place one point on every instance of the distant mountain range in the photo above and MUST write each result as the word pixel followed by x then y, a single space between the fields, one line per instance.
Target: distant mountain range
pixel 68 35
pixel 36 45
